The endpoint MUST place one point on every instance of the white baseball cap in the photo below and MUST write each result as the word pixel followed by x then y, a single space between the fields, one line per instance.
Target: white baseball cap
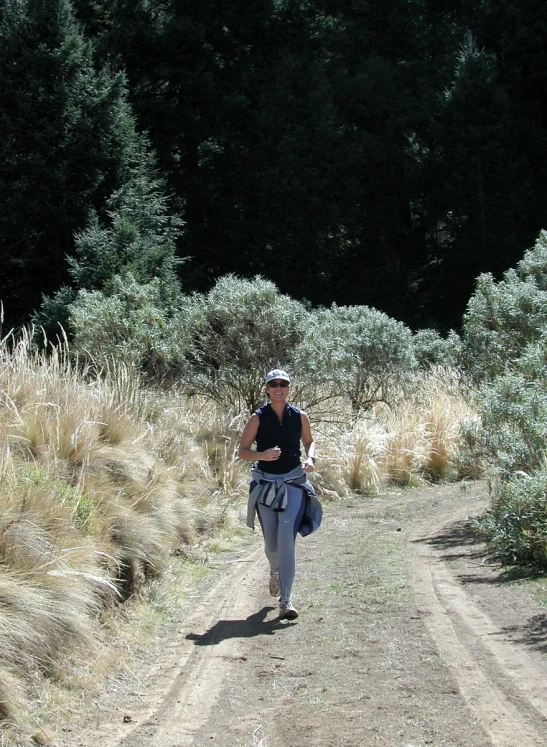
pixel 277 373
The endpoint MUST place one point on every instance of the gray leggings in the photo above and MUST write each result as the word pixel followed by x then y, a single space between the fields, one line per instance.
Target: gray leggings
pixel 279 529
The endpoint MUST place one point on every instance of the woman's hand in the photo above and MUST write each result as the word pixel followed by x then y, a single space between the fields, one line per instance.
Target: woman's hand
pixel 270 455
pixel 308 465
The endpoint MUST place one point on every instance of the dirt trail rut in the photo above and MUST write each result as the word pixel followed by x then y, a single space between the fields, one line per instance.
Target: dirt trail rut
pixel 406 637
pixel 504 685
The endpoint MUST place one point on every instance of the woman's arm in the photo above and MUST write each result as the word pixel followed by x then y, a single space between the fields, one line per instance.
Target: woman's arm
pixel 248 437
pixel 308 443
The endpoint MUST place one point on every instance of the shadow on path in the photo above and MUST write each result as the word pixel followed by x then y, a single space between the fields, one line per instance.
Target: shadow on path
pixel 252 626
pixel 457 535
pixel 533 632
pixel 458 540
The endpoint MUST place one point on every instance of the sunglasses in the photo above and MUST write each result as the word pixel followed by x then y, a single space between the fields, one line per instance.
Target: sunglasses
pixel 275 384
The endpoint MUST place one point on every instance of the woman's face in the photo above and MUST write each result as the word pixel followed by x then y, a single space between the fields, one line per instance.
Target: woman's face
pixel 277 390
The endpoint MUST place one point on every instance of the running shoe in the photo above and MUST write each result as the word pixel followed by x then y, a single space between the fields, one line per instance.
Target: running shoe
pixel 287 610
pixel 275 586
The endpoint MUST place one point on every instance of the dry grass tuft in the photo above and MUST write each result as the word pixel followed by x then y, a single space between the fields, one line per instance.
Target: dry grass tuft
pixel 102 483
pixel 12 691
pixel 348 457
pixel 425 440
pixel 417 441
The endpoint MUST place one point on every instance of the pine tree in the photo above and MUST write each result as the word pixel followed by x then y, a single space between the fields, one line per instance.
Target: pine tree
pixel 481 181
pixel 138 236
pixel 135 241
pixel 67 139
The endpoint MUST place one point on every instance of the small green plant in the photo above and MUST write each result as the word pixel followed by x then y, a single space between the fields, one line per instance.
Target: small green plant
pixel 84 513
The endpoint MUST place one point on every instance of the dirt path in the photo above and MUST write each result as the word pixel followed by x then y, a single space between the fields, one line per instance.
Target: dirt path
pixel 406 637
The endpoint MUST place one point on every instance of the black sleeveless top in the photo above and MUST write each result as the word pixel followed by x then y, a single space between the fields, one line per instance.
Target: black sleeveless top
pixel 285 434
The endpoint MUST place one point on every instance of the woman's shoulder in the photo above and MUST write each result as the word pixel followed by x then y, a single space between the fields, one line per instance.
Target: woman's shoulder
pixel 295 414
pixel 261 410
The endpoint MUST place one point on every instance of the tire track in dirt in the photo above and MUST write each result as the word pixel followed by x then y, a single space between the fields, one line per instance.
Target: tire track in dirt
pixel 187 678
pixel 504 686
pixel 188 704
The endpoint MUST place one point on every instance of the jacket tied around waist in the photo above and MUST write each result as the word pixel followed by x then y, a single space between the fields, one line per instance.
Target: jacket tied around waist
pixel 273 491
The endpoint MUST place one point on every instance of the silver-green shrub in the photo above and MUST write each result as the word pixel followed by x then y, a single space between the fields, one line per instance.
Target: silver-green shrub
pixel 431 349
pixel 513 426
pixel 505 350
pixel 516 525
pixel 130 324
pixel 357 352
pixel 503 317
pixel 236 333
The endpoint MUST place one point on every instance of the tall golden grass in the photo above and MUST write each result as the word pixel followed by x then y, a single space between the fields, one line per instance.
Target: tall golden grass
pixel 103 480
pixel 416 442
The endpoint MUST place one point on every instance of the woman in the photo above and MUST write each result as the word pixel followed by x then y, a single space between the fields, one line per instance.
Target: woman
pixel 280 492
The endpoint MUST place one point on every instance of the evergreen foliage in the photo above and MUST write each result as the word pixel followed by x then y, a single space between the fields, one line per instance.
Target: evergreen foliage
pixel 136 240
pixel 138 237
pixel 473 158
pixel 277 136
pixel 67 139
pixel 381 154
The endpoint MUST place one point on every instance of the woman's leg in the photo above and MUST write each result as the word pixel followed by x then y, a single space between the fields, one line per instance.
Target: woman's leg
pixel 268 521
pixel 289 521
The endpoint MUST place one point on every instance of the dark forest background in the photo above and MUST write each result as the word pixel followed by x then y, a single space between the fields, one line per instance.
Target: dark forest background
pixel 379 153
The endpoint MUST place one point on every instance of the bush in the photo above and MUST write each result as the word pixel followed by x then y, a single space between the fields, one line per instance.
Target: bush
pixel 430 349
pixel 236 333
pixel 511 433
pixel 513 409
pixel 505 349
pixel 516 526
pixel 502 318
pixel 357 352
pixel 131 326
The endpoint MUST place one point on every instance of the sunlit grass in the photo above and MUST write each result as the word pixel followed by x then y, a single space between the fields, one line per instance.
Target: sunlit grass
pixel 103 481
pixel 415 442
